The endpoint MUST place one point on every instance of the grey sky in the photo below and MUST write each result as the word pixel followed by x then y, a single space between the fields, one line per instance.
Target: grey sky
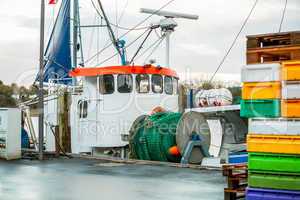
pixel 197 46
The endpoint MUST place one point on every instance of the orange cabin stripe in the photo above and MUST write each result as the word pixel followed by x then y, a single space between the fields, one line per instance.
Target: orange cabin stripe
pixel 148 69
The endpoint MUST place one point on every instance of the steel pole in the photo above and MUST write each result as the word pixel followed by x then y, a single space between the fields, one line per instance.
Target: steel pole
pixel 168 35
pixel 75 37
pixel 75 32
pixel 41 80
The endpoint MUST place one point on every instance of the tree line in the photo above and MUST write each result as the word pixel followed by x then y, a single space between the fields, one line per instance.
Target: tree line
pixel 11 95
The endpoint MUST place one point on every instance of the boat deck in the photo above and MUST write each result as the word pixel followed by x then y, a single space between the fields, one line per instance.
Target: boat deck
pixel 93 179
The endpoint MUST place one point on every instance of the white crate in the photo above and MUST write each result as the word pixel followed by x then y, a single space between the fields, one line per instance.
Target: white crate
pixel 261 73
pixel 10 133
pixel 291 90
pixel 278 126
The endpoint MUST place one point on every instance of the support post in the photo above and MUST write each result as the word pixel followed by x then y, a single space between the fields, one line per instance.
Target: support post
pixel 63 121
pixel 168 35
pixel 41 80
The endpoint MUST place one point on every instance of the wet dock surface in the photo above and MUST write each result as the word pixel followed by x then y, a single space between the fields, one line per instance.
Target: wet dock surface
pixel 90 179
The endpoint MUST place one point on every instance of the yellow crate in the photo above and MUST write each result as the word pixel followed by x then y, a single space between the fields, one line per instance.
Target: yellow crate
pixel 263 90
pixel 290 70
pixel 290 108
pixel 273 144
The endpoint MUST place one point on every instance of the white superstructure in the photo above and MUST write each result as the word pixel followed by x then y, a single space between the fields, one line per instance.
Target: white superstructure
pixel 113 97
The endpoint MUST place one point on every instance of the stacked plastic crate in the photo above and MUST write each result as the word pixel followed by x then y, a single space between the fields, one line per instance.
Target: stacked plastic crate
pixel 271 101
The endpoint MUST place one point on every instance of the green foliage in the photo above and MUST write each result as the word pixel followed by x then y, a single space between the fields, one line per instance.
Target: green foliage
pixel 11 95
pixel 6 96
pixel 206 85
pixel 25 94
pixel 203 84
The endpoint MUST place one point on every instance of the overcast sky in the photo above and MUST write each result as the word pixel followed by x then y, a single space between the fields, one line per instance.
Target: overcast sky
pixel 197 46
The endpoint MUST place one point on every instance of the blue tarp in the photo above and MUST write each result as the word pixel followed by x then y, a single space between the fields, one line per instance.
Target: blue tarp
pixel 25 144
pixel 58 52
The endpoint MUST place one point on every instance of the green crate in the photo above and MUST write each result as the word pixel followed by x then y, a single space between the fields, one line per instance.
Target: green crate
pixel 284 181
pixel 274 162
pixel 260 108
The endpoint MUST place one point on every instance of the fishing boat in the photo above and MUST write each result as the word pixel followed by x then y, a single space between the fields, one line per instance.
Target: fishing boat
pixel 109 98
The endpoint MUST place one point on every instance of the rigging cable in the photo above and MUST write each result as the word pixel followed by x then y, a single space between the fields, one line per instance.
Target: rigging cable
pixel 134 27
pixel 234 41
pixel 160 39
pixel 117 16
pixel 155 48
pixel 157 34
pixel 116 25
pixel 92 37
pixel 141 46
pixel 111 32
pixel 123 11
pixel 130 44
pixel 117 30
pixel 100 20
pixel 283 15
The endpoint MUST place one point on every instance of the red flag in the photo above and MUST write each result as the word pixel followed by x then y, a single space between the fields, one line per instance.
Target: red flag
pixel 52 1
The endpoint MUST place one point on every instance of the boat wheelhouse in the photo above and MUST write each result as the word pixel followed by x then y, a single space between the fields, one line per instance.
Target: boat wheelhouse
pixel 113 97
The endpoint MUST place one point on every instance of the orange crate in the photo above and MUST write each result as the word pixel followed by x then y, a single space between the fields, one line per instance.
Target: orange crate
pixel 290 108
pixel 273 144
pixel 290 71
pixel 262 90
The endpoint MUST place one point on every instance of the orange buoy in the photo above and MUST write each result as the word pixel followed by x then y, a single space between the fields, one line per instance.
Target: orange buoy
pixel 174 151
pixel 158 109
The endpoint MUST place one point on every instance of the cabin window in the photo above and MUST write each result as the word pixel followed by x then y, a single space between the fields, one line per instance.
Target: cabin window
pixel 83 109
pixel 125 83
pixel 142 83
pixel 175 85
pixel 168 85
pixel 157 83
pixel 106 84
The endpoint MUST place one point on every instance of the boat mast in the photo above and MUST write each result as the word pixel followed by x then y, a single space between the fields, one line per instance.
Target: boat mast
pixel 79 35
pixel 75 32
pixel 41 80
pixel 77 40
pixel 76 35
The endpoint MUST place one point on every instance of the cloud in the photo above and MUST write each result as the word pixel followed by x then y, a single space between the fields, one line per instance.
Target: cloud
pixel 13 32
pixel 200 49
pixel 197 45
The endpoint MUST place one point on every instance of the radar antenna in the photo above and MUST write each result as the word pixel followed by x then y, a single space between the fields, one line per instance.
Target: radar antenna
pixel 168 24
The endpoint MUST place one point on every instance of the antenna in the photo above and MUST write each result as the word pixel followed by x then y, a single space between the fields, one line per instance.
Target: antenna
pixel 168 24
pixel 169 14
